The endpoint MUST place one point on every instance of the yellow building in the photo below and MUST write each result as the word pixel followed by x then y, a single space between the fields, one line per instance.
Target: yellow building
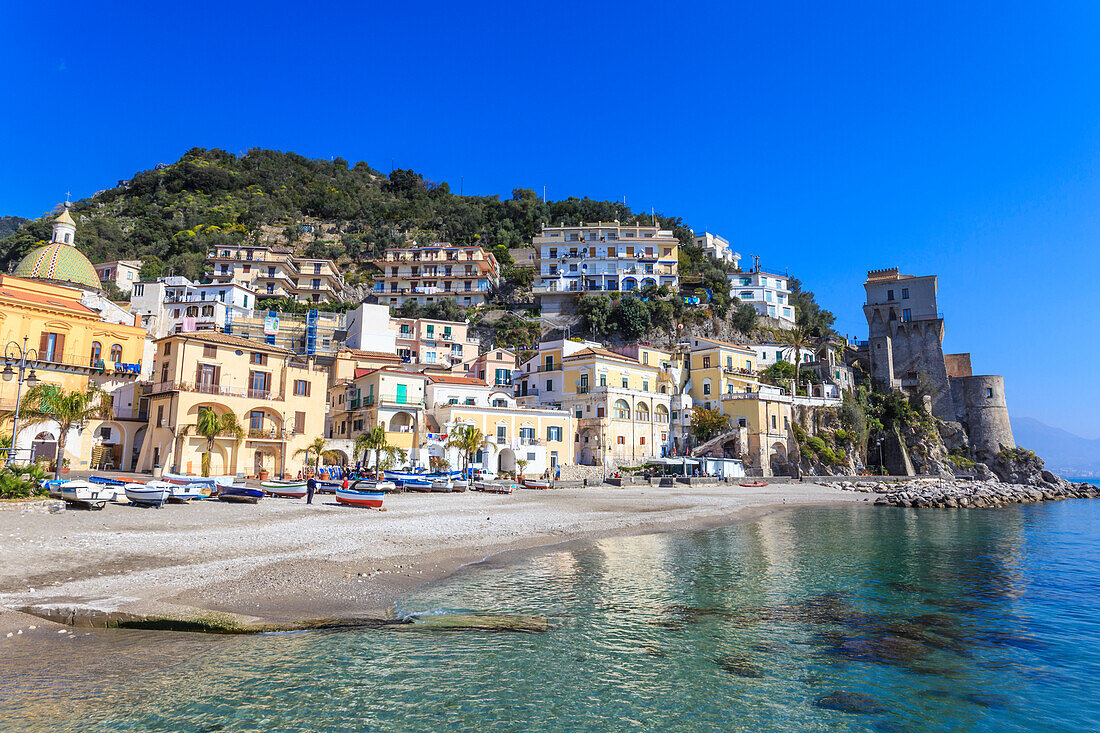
pixel 621 406
pixel 386 396
pixel 720 368
pixel 277 396
pixel 70 344
pixel 275 272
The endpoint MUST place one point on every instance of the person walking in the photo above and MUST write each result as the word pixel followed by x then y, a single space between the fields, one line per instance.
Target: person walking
pixel 311 485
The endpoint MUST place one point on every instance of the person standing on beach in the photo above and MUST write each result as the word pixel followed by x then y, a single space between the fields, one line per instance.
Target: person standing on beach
pixel 310 486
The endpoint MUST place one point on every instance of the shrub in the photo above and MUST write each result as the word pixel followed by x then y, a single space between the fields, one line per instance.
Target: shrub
pixel 21 482
pixel 817 445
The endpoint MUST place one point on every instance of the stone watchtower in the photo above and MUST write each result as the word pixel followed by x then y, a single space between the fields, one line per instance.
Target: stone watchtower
pixel 981 407
pixel 905 336
pixel 905 345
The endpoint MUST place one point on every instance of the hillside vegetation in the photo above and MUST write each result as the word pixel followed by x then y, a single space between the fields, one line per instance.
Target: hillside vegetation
pixel 171 216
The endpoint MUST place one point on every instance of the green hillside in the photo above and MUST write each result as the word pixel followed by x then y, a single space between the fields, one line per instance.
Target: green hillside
pixel 326 208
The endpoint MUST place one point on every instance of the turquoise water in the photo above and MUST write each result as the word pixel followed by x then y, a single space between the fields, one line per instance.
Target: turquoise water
pixel 905 620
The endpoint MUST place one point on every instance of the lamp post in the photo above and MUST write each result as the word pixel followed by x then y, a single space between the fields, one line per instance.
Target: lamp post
pixel 14 354
pixel 881 465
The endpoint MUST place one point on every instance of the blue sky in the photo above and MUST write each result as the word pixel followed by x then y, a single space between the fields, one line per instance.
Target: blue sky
pixel 960 139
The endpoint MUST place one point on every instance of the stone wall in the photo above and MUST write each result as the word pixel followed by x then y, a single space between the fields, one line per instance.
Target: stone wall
pixel 980 403
pixel 594 474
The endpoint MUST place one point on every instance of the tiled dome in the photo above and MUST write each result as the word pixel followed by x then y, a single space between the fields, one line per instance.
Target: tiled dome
pixel 57 261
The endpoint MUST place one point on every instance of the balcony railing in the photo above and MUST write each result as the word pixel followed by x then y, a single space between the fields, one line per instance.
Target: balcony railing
pixel 210 389
pixel 267 434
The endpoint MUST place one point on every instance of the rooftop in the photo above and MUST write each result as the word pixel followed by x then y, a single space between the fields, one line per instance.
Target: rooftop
pixel 225 339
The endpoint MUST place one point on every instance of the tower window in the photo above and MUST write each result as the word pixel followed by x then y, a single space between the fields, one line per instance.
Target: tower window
pixel 988 391
pixel 67 236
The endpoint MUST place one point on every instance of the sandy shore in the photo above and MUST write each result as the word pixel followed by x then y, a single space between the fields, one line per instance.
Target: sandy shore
pixel 282 560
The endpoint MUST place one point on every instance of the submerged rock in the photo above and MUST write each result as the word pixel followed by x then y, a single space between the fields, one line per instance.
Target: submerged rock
pixel 849 702
pixel 475 622
pixel 738 664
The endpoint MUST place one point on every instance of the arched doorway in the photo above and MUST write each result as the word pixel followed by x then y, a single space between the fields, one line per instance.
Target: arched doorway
pixel 401 422
pixel 44 446
pixel 506 461
pixel 778 457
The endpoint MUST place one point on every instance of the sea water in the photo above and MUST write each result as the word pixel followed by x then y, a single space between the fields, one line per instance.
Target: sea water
pixel 847 618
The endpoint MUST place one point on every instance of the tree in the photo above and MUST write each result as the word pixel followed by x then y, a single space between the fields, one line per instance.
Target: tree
pixel 49 403
pixel 707 424
pixel 211 425
pixel 796 340
pixel 632 318
pixel 744 318
pixel 317 449
pixel 521 464
pixel 468 440
pixel 808 314
pixel 595 311
pixel 375 440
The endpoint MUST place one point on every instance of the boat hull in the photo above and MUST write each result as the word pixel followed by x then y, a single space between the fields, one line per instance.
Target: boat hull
pixel 372 499
pixel 421 486
pixel 291 489
pixel 146 495
pixel 240 494
pixel 536 484
pixel 86 494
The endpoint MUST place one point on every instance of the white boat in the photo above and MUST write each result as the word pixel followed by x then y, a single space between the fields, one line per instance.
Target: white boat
pixel 212 481
pixel 151 494
pixel 93 496
pixel 536 483
pixel 292 489
pixel 460 484
pixel 182 493
pixel 497 487
pixel 442 485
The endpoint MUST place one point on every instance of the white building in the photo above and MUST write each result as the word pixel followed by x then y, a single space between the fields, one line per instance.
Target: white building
pixel 768 354
pixel 178 305
pixel 768 293
pixel 369 329
pixel 718 247
pixel 601 257
pixel 123 273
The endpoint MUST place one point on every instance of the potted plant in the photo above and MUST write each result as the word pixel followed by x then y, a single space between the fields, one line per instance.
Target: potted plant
pixel 65 462
pixel 264 475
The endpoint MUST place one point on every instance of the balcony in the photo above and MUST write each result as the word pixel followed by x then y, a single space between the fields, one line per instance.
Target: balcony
pixel 267 434
pixel 739 371
pixel 211 389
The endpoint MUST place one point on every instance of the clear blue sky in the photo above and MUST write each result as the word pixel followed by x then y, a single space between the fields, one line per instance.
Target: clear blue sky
pixel 942 137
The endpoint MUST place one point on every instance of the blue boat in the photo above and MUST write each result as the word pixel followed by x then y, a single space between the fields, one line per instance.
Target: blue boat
pixel 106 480
pixel 239 493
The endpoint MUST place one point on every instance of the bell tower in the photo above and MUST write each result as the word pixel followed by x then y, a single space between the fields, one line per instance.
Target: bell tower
pixel 64 228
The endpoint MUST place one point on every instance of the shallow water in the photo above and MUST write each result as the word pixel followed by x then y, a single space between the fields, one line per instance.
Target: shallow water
pixel 841 619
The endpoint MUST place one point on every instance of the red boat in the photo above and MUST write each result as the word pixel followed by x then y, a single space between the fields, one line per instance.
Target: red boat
pixel 755 483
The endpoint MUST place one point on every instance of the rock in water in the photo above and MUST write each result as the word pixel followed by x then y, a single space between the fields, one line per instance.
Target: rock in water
pixel 738 664
pixel 849 702
pixel 475 622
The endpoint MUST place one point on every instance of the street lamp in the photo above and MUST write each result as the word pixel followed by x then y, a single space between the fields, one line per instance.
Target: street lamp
pixel 881 465
pixel 16 355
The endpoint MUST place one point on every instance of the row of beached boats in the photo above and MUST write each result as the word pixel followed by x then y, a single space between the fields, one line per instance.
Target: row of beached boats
pixel 96 491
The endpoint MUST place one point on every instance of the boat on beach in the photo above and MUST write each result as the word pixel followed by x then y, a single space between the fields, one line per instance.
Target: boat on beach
pixel 754 484
pixel 536 483
pixel 460 485
pixel 496 487
pixel 353 497
pixel 153 494
pixel 240 494
pixel 291 489
pixel 442 485
pixel 85 493
pixel 183 493
pixel 417 484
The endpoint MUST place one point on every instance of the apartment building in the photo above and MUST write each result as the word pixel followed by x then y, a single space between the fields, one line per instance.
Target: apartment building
pixel 601 257
pixel 386 396
pixel 428 274
pixel 718 248
pixel 178 305
pixel 494 366
pixel 123 273
pixel 313 333
pixel 719 368
pixel 621 406
pixel 770 353
pixel 433 342
pixel 275 272
pixel 767 292
pixel 542 439
pixel 278 397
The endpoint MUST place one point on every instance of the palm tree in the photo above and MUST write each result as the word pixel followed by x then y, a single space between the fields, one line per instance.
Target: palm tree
pixel 468 440
pixel 796 340
pixel 211 425
pixel 319 449
pixel 50 403
pixel 375 440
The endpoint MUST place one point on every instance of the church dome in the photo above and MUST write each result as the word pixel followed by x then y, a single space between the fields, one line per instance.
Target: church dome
pixel 59 261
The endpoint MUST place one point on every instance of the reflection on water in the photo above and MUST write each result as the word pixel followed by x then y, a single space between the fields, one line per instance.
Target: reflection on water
pixel 846 619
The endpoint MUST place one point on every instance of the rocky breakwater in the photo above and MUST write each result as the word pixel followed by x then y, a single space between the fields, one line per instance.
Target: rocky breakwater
pixel 941 493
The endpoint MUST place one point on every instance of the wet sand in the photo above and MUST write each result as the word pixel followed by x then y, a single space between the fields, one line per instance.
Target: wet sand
pixel 283 561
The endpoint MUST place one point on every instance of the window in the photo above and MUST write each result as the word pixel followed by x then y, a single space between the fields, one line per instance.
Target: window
pixel 301 387
pixel 988 391
pixel 160 416
pixel 742 422
pixel 706 362
pixel 622 410
pixel 620 440
pixel 452 401
pixel 584 383
pixel 258 358
pixel 775 422
pixel 706 386
pixel 904 293
pixel 906 315
pixel 469 400
pixel 553 433
pixel 256 420
pixel 500 403
pixel 116 354
pixel 96 348
pixel 889 294
pixel 645 385
pixel 502 433
pixel 626 382
pixel 549 385
pixel 603 380
pixel 641 440
pixel 51 347
pixel 675 414
pixel 209 351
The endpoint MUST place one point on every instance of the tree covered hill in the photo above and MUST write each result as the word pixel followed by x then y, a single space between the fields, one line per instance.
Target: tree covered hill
pixel 10 225
pixel 176 213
